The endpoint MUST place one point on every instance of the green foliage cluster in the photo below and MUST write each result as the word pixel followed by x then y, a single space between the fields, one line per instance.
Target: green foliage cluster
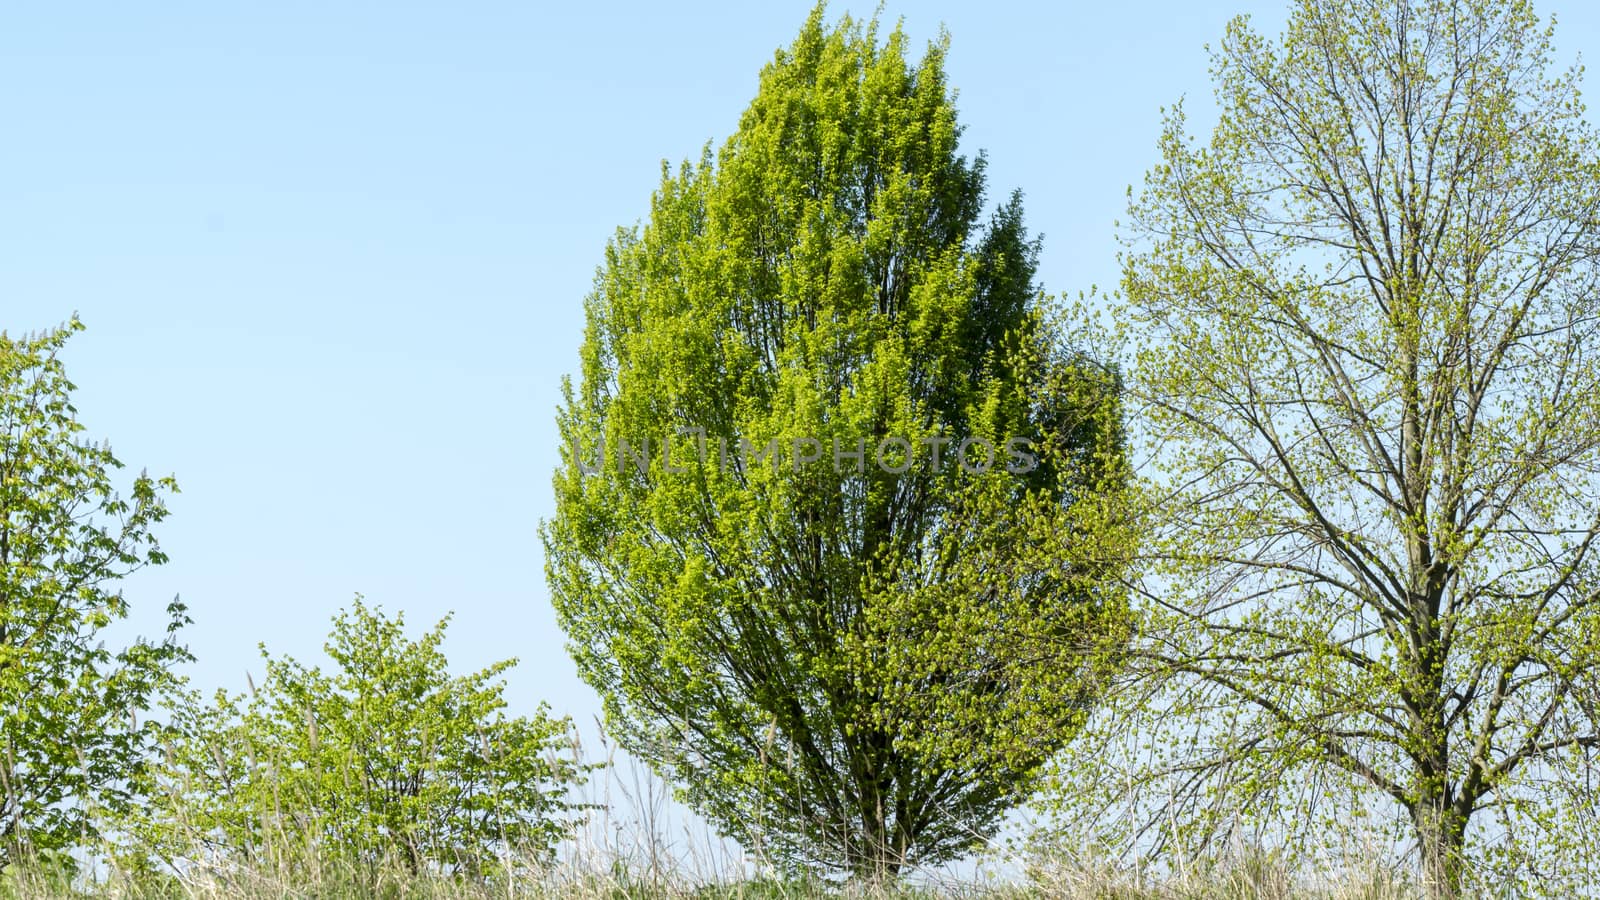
pixel 388 760
pixel 853 663
pixel 70 738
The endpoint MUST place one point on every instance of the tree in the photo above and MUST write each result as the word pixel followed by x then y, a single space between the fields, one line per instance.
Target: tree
pixel 796 549
pixel 388 761
pixel 70 735
pixel 1366 312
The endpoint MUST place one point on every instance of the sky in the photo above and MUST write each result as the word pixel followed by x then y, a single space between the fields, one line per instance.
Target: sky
pixel 332 258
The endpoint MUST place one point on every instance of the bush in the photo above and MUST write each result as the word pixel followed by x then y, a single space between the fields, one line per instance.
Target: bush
pixel 387 763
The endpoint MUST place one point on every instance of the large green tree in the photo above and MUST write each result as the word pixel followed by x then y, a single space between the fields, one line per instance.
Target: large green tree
pixel 71 736
pixel 1366 314
pixel 782 551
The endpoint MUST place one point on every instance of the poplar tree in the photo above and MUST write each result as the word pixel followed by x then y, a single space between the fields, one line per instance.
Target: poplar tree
pixel 834 601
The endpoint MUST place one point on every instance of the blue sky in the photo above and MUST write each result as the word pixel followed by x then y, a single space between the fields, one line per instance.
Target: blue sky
pixel 332 257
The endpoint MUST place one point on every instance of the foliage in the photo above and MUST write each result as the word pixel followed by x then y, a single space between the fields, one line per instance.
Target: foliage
pixel 1366 326
pixel 70 737
pixel 387 761
pixel 853 653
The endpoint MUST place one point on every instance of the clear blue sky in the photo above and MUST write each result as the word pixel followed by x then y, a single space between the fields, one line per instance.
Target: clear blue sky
pixel 332 257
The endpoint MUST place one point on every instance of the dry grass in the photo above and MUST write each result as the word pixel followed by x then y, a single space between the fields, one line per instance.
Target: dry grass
pixel 657 853
pixel 332 884
pixel 622 872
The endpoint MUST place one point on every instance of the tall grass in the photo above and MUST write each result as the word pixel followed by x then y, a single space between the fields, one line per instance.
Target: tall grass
pixel 657 851
pixel 1247 880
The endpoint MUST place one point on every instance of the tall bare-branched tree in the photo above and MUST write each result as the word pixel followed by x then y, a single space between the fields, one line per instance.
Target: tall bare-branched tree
pixel 1366 315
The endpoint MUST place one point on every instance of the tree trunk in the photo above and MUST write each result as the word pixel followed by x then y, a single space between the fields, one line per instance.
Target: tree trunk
pixel 1439 820
pixel 1441 836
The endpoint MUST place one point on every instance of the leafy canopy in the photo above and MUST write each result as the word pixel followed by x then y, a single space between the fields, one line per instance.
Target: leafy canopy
pixel 71 739
pixel 1366 325
pixel 851 650
pixel 387 760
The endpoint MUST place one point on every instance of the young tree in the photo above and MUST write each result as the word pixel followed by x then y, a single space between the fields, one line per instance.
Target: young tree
pixel 388 761
pixel 806 591
pixel 1367 320
pixel 70 735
